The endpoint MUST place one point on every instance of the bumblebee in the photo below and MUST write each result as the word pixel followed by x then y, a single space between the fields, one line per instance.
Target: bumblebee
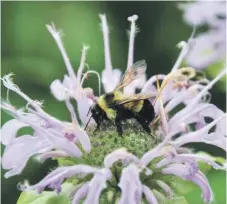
pixel 115 106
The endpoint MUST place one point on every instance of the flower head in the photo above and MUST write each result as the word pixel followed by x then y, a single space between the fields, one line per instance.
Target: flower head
pixel 49 133
pixel 128 169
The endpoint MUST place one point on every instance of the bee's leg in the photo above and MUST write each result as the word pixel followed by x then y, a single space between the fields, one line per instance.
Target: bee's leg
pixel 98 122
pixel 146 127
pixel 119 126
pixel 97 127
pixel 143 123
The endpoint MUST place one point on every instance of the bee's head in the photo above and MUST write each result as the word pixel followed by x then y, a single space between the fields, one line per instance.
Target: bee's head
pixel 96 112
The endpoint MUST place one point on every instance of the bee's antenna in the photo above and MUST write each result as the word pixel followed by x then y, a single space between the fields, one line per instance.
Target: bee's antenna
pixel 87 123
pixel 88 111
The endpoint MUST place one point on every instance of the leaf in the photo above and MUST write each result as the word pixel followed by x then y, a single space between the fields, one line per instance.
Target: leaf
pixel 160 197
pixel 47 197
pixel 204 167
pixel 31 197
pixel 177 200
pixel 59 200
pixel 181 186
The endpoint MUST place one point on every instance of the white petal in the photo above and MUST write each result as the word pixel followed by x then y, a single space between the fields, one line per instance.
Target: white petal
pixel 67 146
pixel 58 90
pixel 110 79
pixel 83 138
pixel 80 193
pixel 9 130
pixel 202 135
pixel 139 82
pixel 152 154
pixel 96 185
pixel 52 154
pixel 61 173
pixel 204 185
pixel 130 89
pixel 18 153
pixel 194 175
pixel 216 140
pixel 119 154
pixel 182 97
pixel 221 127
pixel 131 187
pixel 83 105
pixel 149 85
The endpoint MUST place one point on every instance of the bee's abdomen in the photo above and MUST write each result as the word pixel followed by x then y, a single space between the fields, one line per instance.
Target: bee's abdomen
pixel 147 111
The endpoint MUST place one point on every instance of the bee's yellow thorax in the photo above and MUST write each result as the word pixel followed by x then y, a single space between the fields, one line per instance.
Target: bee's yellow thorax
pixel 111 113
pixel 118 96
pixel 134 106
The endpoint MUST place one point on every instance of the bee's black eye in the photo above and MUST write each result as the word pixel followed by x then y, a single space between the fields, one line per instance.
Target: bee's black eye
pixel 109 96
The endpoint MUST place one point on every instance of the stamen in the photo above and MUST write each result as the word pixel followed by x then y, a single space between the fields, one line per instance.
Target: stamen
pixel 11 110
pixel 8 83
pixel 82 62
pixel 57 34
pixel 206 88
pixel 194 101
pixel 105 30
pixel 162 111
pixel 92 72
pixel 132 36
pixel 185 48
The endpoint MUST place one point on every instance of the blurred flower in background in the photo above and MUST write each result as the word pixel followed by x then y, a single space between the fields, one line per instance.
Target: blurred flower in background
pixel 210 45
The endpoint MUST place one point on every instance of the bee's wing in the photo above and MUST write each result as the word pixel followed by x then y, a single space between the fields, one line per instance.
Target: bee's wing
pixel 130 74
pixel 136 97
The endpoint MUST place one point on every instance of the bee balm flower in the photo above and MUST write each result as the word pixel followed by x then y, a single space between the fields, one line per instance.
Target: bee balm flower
pixel 137 167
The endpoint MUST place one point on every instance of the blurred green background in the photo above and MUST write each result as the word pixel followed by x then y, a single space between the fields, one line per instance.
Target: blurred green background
pixel 29 51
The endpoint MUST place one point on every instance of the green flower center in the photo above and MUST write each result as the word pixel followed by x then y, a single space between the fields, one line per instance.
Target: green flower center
pixel 105 141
